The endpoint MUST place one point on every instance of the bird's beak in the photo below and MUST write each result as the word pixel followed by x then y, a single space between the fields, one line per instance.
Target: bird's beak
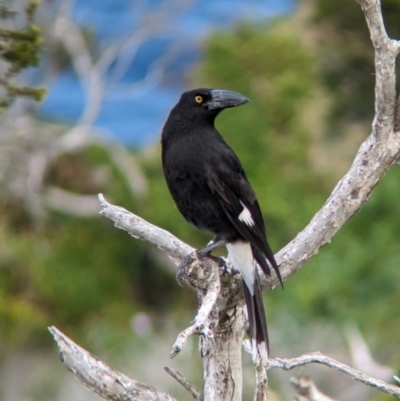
pixel 221 99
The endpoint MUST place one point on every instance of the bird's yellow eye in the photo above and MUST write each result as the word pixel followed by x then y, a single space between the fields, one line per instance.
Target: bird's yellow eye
pixel 198 99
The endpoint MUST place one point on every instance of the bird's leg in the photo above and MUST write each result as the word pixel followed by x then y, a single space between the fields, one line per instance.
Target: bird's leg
pixel 200 254
pixel 213 244
pixel 206 251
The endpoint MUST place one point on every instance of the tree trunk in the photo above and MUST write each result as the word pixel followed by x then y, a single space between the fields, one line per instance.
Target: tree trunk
pixel 222 358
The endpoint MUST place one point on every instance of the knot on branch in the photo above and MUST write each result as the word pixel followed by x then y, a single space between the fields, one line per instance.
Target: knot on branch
pixel 200 272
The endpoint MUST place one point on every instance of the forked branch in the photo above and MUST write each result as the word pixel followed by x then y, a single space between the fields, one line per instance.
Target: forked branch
pixel 317 357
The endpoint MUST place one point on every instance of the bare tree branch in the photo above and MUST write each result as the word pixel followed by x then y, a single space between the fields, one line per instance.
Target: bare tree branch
pixel 386 51
pixel 307 390
pixel 110 384
pixel 317 357
pixel 184 382
pixel 93 73
pixel 361 355
pixel 100 378
pixel 141 229
pixel 261 392
pixel 204 276
pixel 27 155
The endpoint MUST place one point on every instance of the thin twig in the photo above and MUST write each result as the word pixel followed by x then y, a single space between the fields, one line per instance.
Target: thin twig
pixel 181 340
pixel 317 357
pixel 184 382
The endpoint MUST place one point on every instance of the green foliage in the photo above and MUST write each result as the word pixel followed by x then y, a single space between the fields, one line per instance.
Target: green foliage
pixel 80 274
pixel 20 49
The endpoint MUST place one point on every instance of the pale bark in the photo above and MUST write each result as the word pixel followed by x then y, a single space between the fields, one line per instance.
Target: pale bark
pixel 261 392
pixel 307 390
pixel 203 276
pixel 113 385
pixel 99 377
pixel 196 394
pixel 361 357
pixel 220 319
pixel 317 357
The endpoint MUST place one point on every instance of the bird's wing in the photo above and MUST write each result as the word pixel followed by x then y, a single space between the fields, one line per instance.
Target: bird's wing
pixel 228 181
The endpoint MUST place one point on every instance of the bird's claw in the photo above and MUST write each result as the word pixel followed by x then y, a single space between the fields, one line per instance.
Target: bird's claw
pixel 184 267
pixel 199 256
pixel 223 267
pixel 187 260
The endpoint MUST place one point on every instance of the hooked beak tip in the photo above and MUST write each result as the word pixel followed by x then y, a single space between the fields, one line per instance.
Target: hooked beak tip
pixel 221 99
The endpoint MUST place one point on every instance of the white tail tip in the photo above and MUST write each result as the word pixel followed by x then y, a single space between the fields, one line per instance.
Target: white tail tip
pixel 259 352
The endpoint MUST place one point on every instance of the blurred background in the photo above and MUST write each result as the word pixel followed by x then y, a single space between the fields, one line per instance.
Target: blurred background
pixel 112 71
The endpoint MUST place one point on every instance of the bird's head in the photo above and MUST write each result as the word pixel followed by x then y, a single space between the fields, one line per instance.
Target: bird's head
pixel 205 103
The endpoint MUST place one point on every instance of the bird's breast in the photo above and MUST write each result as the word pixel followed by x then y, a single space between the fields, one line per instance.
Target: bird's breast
pixel 186 174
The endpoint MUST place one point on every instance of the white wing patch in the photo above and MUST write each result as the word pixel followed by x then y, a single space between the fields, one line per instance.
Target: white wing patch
pixel 245 216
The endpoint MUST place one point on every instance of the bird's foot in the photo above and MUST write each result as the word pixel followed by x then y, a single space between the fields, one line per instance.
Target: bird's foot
pixel 223 267
pixel 184 265
pixel 214 244
pixel 194 258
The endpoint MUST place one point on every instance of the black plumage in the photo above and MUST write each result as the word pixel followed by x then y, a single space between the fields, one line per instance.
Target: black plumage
pixel 211 190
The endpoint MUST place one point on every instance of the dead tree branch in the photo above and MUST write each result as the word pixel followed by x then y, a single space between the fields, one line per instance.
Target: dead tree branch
pixel 261 391
pixel 317 357
pixel 361 356
pixel 205 277
pixel 141 229
pixel 185 383
pixel 307 390
pixel 100 378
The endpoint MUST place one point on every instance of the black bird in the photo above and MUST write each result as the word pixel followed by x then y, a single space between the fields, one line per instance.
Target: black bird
pixel 211 190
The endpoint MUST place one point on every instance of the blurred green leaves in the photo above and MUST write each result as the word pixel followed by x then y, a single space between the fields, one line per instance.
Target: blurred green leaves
pixel 19 49
pixel 73 272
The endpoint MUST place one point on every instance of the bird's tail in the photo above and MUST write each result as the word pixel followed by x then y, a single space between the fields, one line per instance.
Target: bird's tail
pixel 258 332
pixel 242 257
pixel 260 258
